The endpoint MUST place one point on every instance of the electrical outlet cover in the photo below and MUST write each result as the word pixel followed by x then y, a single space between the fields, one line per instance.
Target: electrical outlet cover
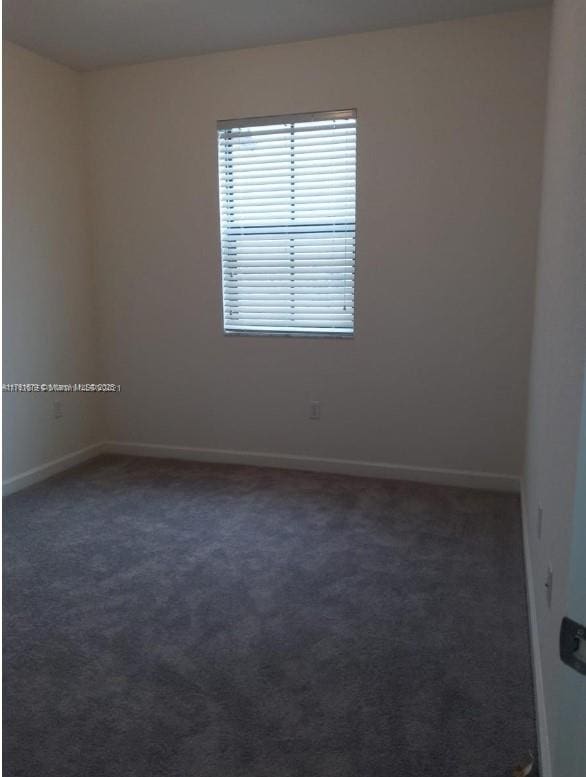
pixel 314 411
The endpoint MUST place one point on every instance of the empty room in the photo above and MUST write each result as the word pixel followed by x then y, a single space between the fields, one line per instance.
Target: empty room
pixel 294 399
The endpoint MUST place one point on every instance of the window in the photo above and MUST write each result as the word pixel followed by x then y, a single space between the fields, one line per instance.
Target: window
pixel 288 223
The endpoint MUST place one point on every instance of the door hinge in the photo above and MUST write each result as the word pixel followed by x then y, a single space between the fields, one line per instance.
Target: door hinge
pixel 573 644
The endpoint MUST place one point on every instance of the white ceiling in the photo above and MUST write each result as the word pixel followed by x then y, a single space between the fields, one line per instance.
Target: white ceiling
pixel 87 34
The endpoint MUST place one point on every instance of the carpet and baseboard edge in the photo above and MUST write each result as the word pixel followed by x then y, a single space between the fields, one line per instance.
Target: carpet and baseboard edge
pixel 468 479
pixel 35 475
pixel 451 477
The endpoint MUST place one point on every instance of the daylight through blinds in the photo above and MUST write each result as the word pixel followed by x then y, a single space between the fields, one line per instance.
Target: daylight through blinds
pixel 288 223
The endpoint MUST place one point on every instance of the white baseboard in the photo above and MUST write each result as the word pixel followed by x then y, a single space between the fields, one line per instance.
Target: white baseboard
pixel 44 471
pixel 448 477
pixel 545 762
pixel 452 477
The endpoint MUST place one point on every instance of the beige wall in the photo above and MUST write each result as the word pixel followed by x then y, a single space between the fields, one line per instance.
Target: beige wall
pixel 48 288
pixel 450 121
pixel 559 344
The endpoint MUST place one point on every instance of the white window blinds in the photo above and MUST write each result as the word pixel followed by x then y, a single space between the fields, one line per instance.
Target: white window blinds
pixel 288 223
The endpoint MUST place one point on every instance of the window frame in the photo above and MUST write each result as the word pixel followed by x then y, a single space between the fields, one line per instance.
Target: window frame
pixel 253 121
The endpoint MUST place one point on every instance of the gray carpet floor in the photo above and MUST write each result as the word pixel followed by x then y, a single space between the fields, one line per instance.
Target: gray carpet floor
pixel 168 619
